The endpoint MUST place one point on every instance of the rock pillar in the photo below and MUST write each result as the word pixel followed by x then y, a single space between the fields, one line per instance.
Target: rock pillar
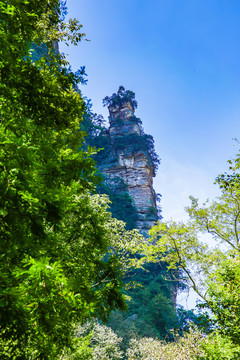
pixel 134 164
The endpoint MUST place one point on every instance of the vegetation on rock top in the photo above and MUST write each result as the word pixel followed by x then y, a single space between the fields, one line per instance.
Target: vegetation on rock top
pixel 121 97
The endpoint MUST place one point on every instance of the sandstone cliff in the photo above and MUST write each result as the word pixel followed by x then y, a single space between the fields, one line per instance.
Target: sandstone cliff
pixel 130 160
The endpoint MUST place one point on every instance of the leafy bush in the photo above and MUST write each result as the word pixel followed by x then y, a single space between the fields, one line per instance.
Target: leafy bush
pixel 192 346
pixel 103 342
pixel 184 348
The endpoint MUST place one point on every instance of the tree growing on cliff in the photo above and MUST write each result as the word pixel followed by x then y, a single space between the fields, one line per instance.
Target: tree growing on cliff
pixel 122 96
pixel 54 235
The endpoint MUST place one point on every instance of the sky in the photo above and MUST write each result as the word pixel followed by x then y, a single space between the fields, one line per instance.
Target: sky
pixel 182 60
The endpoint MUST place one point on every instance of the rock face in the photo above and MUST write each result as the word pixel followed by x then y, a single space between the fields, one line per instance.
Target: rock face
pixel 132 162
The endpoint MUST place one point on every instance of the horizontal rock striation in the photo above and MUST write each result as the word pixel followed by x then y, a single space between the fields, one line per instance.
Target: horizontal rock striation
pixel 131 161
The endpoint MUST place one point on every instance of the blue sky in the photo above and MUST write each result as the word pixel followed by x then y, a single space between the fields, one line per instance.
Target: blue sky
pixel 182 59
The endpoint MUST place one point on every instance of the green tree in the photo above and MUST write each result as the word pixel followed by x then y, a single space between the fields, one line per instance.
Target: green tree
pixel 212 271
pixel 104 343
pixel 224 297
pixel 55 265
